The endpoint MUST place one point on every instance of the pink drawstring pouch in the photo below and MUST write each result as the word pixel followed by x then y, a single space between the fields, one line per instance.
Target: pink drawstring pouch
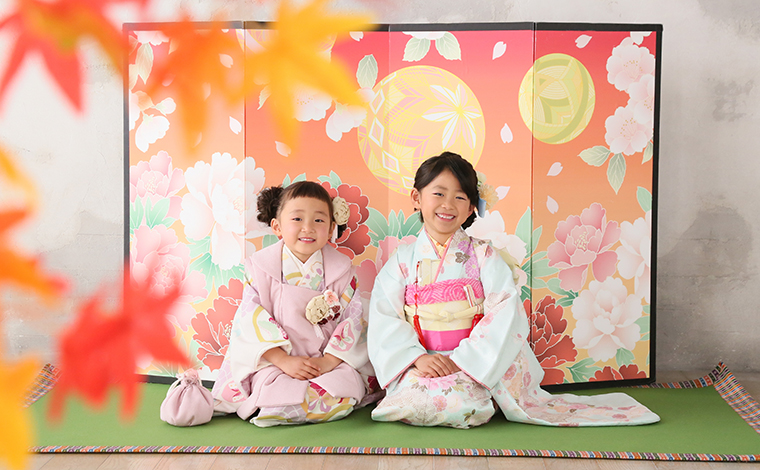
pixel 188 402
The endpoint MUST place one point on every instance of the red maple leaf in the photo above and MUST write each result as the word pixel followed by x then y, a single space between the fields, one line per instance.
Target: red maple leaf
pixel 54 30
pixel 101 349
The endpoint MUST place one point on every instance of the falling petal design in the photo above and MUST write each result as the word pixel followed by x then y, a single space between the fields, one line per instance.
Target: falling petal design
pixel 552 205
pixel 506 134
pixel 282 149
pixel 502 192
pixel 235 125
pixel 498 50
pixel 555 169
pixel 582 41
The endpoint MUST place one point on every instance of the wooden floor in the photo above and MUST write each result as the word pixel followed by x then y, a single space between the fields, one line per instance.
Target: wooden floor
pixel 751 382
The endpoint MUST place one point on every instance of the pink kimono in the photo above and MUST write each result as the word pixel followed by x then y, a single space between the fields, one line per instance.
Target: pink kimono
pixel 271 315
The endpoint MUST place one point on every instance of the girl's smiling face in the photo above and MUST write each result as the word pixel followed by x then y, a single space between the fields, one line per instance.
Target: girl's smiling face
pixel 304 225
pixel 444 206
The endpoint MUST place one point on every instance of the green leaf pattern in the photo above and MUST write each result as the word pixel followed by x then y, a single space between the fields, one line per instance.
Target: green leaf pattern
pixel 366 72
pixel 616 171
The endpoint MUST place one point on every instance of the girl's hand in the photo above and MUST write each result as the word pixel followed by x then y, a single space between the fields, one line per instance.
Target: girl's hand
pixel 435 365
pixel 297 367
pixel 325 364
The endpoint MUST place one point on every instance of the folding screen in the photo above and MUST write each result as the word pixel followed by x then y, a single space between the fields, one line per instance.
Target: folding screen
pixel 561 119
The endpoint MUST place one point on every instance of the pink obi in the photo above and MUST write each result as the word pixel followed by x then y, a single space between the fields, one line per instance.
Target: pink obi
pixel 443 291
pixel 444 340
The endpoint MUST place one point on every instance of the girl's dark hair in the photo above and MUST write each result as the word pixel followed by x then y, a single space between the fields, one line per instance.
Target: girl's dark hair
pixel 462 171
pixel 271 200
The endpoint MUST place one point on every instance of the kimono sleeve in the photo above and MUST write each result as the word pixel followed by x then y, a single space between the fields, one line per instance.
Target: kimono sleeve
pixel 497 339
pixel 392 342
pixel 349 340
pixel 254 332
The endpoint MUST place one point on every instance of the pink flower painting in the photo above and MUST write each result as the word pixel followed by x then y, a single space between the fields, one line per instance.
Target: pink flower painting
pixel 583 241
pixel 641 99
pixel 628 63
pixel 155 180
pixel 158 258
pixel 625 134
pixel 606 319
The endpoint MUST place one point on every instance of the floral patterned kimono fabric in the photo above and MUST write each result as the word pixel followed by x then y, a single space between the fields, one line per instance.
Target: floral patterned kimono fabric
pixel 271 315
pixel 461 301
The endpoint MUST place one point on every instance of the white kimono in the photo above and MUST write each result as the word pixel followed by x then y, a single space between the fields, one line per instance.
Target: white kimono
pixel 464 303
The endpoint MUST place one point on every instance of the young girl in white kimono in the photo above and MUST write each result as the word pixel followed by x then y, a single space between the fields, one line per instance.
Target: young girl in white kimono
pixel 446 337
pixel 297 353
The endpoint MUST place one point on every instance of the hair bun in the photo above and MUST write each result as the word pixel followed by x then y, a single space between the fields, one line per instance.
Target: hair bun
pixel 267 204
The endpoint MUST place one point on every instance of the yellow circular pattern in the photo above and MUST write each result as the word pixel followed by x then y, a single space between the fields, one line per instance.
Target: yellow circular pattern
pixel 418 112
pixel 557 98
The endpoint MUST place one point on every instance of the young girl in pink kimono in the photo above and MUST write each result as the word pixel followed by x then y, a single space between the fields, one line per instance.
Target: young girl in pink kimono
pixel 297 353
pixel 446 337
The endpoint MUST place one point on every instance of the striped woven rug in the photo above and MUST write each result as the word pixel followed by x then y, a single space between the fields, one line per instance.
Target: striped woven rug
pixel 711 418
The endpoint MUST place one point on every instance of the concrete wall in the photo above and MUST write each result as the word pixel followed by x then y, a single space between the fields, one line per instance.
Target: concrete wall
pixel 709 164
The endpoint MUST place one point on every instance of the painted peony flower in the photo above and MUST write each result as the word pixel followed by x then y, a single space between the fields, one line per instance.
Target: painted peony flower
pixel 355 238
pixel 628 63
pixel 221 202
pixel 212 329
pixel 156 180
pixel 635 255
pixel 606 319
pixel 584 241
pixel 626 372
pixel 625 134
pixel 158 257
pixel 548 339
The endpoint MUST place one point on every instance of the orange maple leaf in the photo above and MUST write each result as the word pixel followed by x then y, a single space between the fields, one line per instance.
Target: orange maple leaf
pixel 294 57
pixel 101 348
pixel 16 432
pixel 192 66
pixel 21 270
pixel 16 177
pixel 55 29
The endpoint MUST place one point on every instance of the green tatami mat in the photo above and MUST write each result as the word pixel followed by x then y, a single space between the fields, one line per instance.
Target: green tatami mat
pixel 694 421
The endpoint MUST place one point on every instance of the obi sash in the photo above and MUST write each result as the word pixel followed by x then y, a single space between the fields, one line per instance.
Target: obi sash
pixel 444 313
